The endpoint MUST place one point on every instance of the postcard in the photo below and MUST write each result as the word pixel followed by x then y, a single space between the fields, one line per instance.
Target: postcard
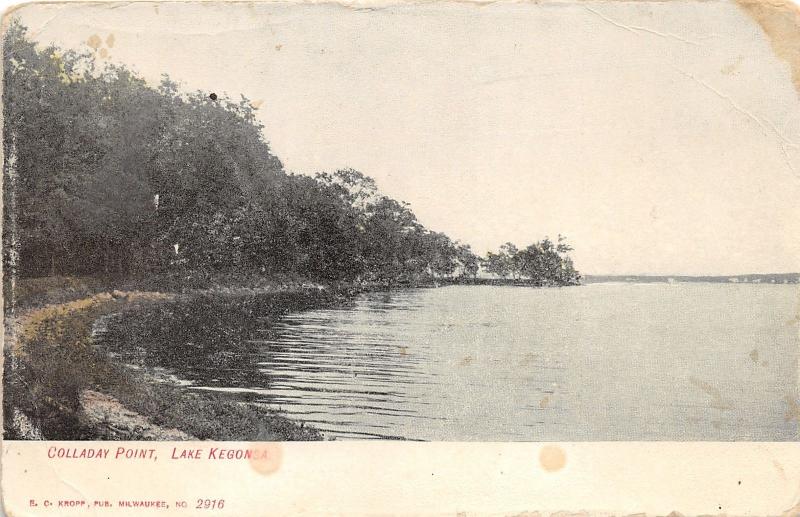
pixel 401 258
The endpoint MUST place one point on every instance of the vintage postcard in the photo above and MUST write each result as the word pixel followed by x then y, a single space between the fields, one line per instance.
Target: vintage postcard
pixel 395 258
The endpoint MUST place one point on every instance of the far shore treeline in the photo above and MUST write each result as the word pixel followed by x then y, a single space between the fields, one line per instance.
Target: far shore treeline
pixel 108 176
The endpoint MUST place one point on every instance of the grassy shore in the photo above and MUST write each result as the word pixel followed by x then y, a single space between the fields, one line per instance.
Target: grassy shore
pixel 58 385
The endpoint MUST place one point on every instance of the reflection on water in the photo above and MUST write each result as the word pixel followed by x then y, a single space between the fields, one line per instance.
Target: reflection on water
pixel 598 362
pixel 349 372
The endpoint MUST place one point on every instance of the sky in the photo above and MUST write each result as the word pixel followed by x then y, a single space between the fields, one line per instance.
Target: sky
pixel 659 137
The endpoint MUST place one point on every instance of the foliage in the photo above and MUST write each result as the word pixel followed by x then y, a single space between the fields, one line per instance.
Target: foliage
pixel 542 263
pixel 108 176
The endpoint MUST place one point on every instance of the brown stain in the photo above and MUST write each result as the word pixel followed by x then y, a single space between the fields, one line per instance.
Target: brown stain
pixel 754 355
pixel 792 409
pixel 257 104
pixel 94 41
pixel 732 68
pixel 552 458
pixel 110 40
pixel 267 457
pixel 779 468
pixel 468 360
pixel 403 350
pixel 104 53
pixel 717 401
pixel 780 21
pixel 278 47
pixel 544 402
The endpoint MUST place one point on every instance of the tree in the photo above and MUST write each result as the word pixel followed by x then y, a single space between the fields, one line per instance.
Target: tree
pixel 542 263
pixel 468 261
pixel 510 254
pixel 497 264
pixel 108 175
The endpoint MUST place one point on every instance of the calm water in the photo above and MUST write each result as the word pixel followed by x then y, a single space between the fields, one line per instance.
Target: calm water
pixel 596 362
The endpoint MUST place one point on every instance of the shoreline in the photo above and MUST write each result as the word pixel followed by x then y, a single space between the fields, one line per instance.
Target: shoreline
pixel 58 385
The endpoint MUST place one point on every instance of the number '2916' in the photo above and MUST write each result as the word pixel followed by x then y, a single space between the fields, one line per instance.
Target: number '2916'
pixel 210 504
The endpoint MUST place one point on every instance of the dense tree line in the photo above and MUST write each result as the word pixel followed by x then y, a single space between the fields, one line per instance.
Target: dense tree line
pixel 107 175
pixel 542 263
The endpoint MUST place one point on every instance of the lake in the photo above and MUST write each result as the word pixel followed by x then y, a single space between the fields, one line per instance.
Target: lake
pixel 685 361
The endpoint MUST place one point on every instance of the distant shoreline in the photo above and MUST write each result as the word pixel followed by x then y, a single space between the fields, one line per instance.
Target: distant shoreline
pixel 759 278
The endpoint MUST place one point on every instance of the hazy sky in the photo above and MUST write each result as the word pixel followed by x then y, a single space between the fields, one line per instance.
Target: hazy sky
pixel 660 137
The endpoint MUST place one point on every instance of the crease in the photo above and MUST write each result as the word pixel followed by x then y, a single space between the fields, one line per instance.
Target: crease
pixel 370 5
pixel 45 24
pixel 765 125
pixel 79 491
pixel 636 29
pixel 788 159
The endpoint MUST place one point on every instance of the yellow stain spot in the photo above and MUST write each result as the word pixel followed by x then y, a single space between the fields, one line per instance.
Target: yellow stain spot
pixel 544 402
pixel 257 104
pixel 552 458
pixel 94 41
pixel 110 41
pixel 266 458
pixel 104 53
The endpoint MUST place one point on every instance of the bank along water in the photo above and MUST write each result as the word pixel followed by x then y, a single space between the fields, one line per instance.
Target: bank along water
pixel 687 361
